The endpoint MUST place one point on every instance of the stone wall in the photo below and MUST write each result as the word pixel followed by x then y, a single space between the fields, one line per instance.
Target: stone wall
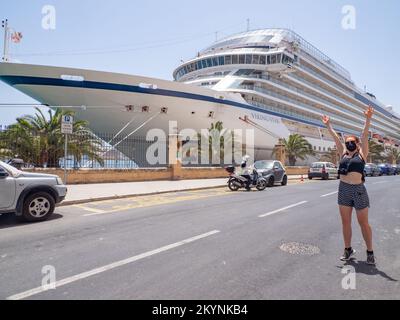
pixel 87 176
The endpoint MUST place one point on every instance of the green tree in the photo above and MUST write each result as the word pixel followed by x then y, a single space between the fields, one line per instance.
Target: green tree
pixel 297 147
pixel 392 155
pixel 217 138
pixel 38 140
pixel 376 151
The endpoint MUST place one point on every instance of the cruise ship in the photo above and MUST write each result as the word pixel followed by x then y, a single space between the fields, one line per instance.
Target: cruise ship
pixel 269 80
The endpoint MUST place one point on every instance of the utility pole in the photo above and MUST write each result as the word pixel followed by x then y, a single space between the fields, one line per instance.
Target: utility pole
pixel 65 158
pixel 4 24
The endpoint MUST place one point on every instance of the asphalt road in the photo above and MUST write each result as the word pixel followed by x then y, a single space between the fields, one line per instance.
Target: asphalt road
pixel 283 243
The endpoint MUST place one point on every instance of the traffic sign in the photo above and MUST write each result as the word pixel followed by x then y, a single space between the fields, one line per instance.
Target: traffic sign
pixel 67 124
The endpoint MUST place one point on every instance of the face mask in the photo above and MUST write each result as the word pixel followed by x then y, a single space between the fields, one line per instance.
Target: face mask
pixel 351 146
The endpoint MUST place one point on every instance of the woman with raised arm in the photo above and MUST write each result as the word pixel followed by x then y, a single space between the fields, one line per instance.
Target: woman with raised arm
pixel 352 191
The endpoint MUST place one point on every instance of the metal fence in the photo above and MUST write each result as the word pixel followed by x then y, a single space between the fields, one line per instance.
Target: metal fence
pixel 109 151
pixel 85 150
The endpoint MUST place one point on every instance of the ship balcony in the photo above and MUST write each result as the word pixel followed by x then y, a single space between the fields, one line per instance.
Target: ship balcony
pixel 380 124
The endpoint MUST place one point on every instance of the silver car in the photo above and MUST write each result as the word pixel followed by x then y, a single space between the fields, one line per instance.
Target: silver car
pixel 323 170
pixel 31 196
pixel 273 171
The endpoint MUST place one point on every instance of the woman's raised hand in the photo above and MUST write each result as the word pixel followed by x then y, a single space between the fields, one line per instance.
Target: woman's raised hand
pixel 370 112
pixel 326 120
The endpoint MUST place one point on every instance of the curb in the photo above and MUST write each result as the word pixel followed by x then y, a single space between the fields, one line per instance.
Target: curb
pixel 116 197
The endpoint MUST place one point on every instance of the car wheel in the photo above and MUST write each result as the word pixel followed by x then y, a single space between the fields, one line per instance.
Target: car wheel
pixel 37 207
pixel 325 177
pixel 233 186
pixel 309 178
pixel 271 182
pixel 261 185
pixel 284 181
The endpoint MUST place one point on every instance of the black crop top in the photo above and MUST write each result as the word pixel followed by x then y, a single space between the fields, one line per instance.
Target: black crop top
pixel 354 164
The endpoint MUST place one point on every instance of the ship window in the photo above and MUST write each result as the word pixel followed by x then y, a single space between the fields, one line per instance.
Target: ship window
pixel 241 59
pixel 72 78
pixel 204 63
pixel 273 59
pixel 262 59
pixel 199 65
pixel 268 59
pixel 248 58
pixel 215 62
pixel 228 59
pixel 256 59
pixel 279 58
pixel 209 63
pixel 221 60
pixel 235 59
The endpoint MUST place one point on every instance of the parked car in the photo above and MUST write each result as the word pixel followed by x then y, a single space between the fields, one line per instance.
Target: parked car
pixel 372 170
pixel 273 171
pixel 323 170
pixel 31 196
pixel 397 167
pixel 387 169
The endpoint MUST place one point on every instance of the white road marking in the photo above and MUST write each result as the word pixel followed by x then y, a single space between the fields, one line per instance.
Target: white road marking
pixel 108 267
pixel 380 182
pixel 329 194
pixel 98 211
pixel 283 209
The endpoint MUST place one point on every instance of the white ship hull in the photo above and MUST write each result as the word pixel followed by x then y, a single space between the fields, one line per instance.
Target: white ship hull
pixel 105 97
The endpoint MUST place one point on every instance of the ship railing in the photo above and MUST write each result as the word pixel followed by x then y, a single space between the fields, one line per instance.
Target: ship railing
pixel 298 103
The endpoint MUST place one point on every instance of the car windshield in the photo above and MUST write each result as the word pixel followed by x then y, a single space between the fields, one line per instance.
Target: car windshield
pixel 263 165
pixel 317 165
pixel 13 171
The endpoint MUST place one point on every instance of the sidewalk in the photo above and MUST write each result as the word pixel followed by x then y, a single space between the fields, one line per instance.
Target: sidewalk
pixel 96 192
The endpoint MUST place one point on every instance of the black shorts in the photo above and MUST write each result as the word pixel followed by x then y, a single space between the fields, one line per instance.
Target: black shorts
pixel 353 195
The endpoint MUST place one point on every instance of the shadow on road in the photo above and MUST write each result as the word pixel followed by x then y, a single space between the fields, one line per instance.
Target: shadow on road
pixel 362 267
pixel 10 220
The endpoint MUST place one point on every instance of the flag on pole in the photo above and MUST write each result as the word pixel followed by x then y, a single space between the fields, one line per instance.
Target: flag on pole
pixel 16 37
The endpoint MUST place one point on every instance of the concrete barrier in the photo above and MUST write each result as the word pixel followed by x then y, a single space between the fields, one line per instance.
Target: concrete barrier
pixel 297 171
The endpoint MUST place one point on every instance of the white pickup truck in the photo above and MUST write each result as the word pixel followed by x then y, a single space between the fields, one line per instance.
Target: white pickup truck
pixel 31 196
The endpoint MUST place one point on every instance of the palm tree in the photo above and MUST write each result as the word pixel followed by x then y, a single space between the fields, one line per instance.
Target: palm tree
pixel 376 151
pixel 218 138
pixel 392 155
pixel 39 140
pixel 297 147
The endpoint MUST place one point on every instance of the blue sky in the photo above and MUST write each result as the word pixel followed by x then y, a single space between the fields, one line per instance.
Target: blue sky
pixel 151 37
